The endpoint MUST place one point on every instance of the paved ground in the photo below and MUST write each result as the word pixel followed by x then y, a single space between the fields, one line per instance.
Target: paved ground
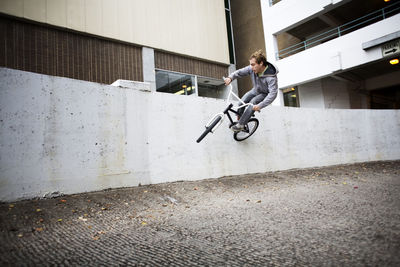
pixel 336 216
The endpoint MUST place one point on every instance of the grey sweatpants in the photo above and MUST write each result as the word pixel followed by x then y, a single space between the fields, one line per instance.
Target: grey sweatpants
pixel 253 98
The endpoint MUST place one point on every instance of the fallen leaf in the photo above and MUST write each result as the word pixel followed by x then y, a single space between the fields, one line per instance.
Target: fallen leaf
pixel 39 229
pixel 38 210
pixel 259 201
pixel 82 219
pixel 144 223
pixel 96 237
pixel 59 220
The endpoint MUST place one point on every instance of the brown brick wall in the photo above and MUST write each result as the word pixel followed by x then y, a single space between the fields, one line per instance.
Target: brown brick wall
pixel 46 50
pixel 189 65
pixel 28 46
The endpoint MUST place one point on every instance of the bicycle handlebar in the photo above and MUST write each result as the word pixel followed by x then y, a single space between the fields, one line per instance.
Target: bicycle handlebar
pixel 238 98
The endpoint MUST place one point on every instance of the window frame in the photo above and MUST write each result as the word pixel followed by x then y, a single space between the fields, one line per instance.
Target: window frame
pixel 291 91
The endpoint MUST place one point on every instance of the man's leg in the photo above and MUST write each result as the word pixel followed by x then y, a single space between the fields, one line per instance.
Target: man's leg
pixel 248 112
pixel 246 99
pixel 249 109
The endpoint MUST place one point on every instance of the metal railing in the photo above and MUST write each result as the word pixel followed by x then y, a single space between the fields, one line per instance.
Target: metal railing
pixel 353 25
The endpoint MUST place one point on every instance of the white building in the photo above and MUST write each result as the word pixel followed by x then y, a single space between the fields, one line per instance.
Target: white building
pixel 179 47
pixel 334 53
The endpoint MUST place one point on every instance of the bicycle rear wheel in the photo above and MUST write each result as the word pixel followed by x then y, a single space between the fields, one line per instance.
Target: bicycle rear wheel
pixel 209 128
pixel 248 130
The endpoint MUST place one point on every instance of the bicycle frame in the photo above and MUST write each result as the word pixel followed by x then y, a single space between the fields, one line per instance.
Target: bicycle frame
pixel 228 109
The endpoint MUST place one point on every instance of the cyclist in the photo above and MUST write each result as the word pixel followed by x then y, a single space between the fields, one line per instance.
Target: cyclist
pixel 265 86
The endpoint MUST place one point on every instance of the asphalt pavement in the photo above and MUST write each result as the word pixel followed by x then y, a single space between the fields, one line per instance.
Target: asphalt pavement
pixel 347 215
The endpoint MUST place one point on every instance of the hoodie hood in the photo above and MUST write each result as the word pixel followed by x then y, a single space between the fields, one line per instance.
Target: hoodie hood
pixel 272 70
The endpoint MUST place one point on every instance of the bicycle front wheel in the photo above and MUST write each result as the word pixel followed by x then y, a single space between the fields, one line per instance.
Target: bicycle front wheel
pixel 209 128
pixel 248 130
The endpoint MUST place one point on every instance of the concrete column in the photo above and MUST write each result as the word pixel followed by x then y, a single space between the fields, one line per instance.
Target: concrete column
pixel 279 101
pixel 149 74
pixel 311 95
pixel 247 39
pixel 196 86
pixel 235 89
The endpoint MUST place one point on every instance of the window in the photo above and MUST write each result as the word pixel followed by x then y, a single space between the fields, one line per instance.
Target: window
pixel 187 84
pixel 291 97
pixel 208 87
pixel 229 31
pixel 175 83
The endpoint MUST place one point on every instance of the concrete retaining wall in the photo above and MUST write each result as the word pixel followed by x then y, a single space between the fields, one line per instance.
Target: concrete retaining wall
pixel 60 135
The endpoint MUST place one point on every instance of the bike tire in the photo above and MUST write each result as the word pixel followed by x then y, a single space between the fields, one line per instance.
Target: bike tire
pixel 249 130
pixel 209 129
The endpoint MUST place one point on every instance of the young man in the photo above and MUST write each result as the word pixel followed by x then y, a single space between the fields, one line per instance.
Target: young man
pixel 265 86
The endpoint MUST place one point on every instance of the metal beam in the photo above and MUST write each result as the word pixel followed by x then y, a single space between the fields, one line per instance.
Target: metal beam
pixel 381 40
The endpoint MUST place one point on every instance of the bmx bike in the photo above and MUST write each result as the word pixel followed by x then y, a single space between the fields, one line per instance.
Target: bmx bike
pixel 216 121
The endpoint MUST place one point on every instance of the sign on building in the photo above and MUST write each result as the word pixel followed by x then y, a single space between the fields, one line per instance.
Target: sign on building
pixel 391 48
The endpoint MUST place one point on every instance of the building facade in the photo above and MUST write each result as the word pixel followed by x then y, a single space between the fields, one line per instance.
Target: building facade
pixel 178 46
pixel 335 53
pixel 330 53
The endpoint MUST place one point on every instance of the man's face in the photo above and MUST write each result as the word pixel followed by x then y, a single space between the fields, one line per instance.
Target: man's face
pixel 257 68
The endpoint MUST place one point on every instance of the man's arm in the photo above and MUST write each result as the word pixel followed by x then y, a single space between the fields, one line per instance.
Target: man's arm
pixel 273 92
pixel 240 73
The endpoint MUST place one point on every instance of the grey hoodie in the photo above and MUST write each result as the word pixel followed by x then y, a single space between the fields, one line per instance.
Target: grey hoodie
pixel 264 84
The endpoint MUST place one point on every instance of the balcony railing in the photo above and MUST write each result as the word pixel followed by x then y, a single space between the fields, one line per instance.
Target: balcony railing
pixel 353 25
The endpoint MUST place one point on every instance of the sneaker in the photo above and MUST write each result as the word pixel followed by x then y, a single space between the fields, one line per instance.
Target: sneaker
pixel 237 127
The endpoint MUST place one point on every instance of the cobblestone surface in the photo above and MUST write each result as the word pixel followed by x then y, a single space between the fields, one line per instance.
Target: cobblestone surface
pixel 335 216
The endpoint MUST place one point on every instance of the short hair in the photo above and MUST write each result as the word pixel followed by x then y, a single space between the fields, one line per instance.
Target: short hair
pixel 259 57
